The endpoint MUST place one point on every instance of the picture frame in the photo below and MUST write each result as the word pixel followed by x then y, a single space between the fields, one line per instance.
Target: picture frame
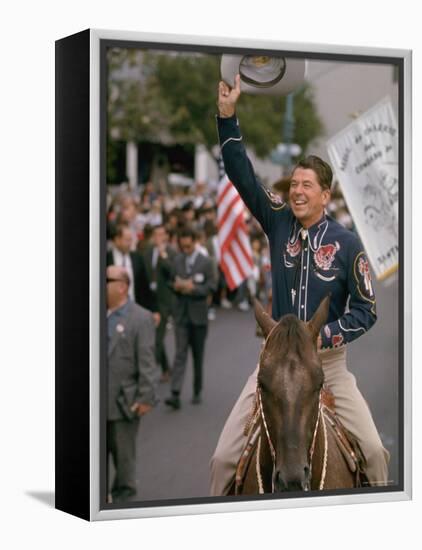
pixel 81 381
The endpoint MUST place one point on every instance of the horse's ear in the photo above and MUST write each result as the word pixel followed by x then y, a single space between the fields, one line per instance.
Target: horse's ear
pixel 262 318
pixel 320 317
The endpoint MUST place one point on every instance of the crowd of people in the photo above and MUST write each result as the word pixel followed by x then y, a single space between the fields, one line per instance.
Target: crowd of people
pixel 196 208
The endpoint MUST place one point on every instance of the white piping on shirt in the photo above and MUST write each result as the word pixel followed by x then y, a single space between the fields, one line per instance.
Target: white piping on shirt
pixel 307 276
pixel 350 329
pixel 316 246
pixel 300 284
pixel 294 238
pixel 230 139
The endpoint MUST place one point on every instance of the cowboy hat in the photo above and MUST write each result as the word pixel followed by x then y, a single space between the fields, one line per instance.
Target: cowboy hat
pixel 263 74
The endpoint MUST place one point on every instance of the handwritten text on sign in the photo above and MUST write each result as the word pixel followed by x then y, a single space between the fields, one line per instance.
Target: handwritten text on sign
pixel 365 159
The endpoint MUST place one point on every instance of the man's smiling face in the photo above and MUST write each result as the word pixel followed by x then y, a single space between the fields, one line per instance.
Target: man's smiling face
pixel 307 198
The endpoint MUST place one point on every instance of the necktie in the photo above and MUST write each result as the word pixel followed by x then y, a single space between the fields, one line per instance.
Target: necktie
pixel 154 257
pixel 189 266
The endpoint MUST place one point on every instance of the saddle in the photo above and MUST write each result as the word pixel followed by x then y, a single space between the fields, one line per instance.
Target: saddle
pixel 346 442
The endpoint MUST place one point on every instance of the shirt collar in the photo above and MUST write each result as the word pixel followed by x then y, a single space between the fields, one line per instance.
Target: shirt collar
pixel 313 229
pixel 191 259
pixel 121 310
pixel 118 253
pixel 315 232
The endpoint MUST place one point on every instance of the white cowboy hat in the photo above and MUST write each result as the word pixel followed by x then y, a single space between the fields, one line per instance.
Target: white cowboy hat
pixel 263 74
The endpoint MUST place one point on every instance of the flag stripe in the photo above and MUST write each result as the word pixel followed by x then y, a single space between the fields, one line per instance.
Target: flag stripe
pixel 234 255
pixel 235 249
pixel 223 189
pixel 233 210
pixel 241 261
pixel 244 246
pixel 233 273
pixel 228 233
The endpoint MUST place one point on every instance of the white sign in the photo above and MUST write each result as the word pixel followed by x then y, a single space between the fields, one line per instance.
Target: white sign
pixel 365 159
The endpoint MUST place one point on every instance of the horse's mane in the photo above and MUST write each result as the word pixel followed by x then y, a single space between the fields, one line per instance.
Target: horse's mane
pixel 290 335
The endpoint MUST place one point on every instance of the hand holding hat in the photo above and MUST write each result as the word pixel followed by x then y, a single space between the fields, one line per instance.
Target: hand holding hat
pixel 263 74
pixel 227 98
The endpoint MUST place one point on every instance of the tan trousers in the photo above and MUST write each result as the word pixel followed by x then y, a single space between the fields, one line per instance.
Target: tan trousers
pixel 351 409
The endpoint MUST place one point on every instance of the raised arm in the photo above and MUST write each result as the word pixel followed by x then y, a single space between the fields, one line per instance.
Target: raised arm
pixel 263 204
pixel 227 98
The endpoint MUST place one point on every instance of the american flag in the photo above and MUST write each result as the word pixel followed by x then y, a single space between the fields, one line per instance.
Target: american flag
pixel 235 248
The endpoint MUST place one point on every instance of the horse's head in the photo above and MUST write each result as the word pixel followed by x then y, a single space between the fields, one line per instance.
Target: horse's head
pixel 290 379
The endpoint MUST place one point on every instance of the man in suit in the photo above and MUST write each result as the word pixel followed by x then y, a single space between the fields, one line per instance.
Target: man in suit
pixel 121 255
pixel 193 280
pixel 131 379
pixel 154 257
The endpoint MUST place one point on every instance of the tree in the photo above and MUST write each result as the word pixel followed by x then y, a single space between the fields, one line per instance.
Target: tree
pixel 170 97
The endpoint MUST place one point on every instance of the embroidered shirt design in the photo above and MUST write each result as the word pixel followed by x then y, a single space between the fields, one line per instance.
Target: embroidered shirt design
pixel 276 201
pixel 362 276
pixel 337 340
pixel 325 254
pixel 293 249
pixel 363 267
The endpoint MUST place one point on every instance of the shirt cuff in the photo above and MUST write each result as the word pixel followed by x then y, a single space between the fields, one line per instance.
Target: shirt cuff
pixel 228 129
pixel 331 336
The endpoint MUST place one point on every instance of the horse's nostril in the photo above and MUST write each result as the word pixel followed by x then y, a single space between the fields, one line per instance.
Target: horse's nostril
pixel 278 482
pixel 306 485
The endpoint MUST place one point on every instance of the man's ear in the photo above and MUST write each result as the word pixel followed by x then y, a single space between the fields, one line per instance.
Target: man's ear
pixel 326 196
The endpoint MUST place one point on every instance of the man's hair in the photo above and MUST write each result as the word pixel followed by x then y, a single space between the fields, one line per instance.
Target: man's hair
pixel 119 229
pixel 159 226
pixel 187 206
pixel 210 229
pixel 321 168
pixel 187 231
pixel 125 277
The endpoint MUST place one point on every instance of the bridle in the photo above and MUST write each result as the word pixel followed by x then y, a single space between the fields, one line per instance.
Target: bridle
pixel 320 420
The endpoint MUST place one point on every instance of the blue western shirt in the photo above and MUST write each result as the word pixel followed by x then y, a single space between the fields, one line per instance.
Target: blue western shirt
pixel 306 264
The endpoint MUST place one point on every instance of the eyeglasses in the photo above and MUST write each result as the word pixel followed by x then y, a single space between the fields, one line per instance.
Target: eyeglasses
pixel 115 280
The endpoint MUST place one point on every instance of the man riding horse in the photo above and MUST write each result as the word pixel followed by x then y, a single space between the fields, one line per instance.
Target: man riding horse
pixel 311 256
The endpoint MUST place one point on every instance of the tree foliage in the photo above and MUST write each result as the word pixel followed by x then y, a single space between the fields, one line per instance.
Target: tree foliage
pixel 170 97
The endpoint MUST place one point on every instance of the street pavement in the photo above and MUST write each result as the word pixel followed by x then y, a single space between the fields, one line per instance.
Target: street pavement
pixel 175 447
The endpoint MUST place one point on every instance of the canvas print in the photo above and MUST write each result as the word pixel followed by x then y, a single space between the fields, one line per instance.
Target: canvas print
pixel 252 243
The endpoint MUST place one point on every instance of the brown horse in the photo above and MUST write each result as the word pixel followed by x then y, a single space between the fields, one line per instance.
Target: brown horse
pixel 294 446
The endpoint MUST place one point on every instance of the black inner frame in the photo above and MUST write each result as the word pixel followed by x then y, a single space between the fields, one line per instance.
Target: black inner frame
pixel 398 63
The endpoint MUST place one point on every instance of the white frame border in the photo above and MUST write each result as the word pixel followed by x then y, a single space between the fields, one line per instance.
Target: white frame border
pixel 159 511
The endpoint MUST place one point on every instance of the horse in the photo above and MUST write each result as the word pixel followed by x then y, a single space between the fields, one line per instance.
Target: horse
pixel 295 443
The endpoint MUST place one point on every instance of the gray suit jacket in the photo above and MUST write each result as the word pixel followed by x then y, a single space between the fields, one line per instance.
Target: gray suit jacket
pixel 132 371
pixel 193 307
